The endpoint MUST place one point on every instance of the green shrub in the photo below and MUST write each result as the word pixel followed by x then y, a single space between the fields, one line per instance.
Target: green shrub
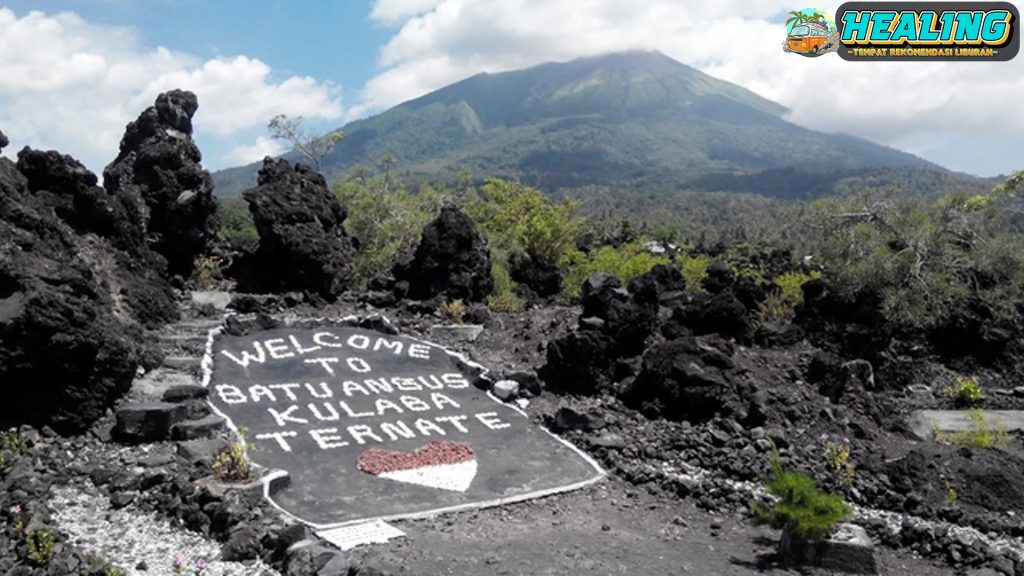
pixel 774 307
pixel 694 269
pixel 800 507
pixel 790 284
pixel 625 263
pixel 386 219
pixel 518 218
pixel 40 546
pixel 966 391
pixel 928 261
pixel 207 275
pixel 504 298
pixel 453 311
pixel 232 463
pixel 11 444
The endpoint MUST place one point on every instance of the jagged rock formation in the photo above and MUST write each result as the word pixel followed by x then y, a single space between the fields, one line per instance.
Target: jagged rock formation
pixel 3 140
pixel 303 243
pixel 135 273
pixel 615 324
pixel 68 345
pixel 159 177
pixel 694 379
pixel 452 261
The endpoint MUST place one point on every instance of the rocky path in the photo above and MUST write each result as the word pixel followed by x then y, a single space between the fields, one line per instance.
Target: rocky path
pixel 611 528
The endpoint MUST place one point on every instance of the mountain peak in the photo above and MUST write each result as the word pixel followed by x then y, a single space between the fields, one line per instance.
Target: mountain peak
pixel 633 82
pixel 635 120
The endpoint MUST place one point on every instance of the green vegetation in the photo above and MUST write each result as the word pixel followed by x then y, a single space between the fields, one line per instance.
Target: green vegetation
pixel 206 274
pixel 966 391
pixel 837 460
pixel 517 218
pixel 232 463
pixel 313 149
pixel 625 263
pixel 694 269
pixel 504 298
pixel 453 311
pixel 981 433
pixel 385 218
pixel 11 444
pixel 40 546
pixel 572 125
pixel 929 261
pixel 236 225
pixel 951 495
pixel 799 507
pixel 790 286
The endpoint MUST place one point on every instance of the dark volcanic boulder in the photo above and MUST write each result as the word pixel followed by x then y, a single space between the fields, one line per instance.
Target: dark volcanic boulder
pixel 720 313
pixel 578 363
pixel 64 185
pixel 303 243
pixel 158 176
pixel 851 324
pixel 66 351
pixel 542 279
pixel 452 260
pixel 3 140
pixel 661 283
pixel 628 318
pixel 692 379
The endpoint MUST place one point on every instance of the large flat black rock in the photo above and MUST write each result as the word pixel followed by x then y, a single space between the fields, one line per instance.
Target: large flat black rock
pixel 375 426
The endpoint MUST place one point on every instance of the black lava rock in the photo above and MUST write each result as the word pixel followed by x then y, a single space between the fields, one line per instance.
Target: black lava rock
pixel 303 243
pixel 159 177
pixel 452 260
pixel 66 351
pixel 543 279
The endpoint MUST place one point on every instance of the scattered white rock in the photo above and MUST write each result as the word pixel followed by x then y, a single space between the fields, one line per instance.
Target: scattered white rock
pixel 128 537
pixel 505 390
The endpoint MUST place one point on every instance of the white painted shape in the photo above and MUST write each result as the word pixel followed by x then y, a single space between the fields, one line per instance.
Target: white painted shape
pixel 348 537
pixel 454 477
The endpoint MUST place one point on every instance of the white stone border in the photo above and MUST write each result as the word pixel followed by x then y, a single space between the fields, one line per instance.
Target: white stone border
pixel 273 475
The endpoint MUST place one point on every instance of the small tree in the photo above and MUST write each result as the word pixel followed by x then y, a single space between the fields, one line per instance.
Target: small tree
pixel 802 511
pixel 313 148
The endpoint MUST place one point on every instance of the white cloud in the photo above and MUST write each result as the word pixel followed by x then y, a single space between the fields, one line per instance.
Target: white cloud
pixel 392 11
pixel 73 85
pixel 254 152
pixel 736 40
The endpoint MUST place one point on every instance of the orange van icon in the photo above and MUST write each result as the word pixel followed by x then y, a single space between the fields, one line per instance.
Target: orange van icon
pixel 807 38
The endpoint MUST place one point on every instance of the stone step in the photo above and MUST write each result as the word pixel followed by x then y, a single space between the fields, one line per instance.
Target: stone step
pixel 202 428
pixel 182 362
pixel 925 423
pixel 183 336
pixel 154 384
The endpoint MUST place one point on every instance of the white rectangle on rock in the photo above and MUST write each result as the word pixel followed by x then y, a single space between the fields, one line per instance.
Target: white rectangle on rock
pixel 348 537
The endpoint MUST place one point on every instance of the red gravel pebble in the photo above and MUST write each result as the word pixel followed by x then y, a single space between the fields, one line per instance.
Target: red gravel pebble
pixel 376 461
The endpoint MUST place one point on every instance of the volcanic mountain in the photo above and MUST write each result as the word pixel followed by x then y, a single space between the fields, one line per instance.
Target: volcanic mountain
pixel 632 120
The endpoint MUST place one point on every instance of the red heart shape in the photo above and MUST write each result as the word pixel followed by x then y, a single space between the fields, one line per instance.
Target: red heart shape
pixel 376 461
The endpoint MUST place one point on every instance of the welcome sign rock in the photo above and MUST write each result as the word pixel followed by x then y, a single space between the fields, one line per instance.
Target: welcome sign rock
pixel 374 426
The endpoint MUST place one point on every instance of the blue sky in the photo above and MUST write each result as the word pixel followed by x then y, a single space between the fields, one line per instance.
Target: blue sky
pixel 331 39
pixel 76 71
